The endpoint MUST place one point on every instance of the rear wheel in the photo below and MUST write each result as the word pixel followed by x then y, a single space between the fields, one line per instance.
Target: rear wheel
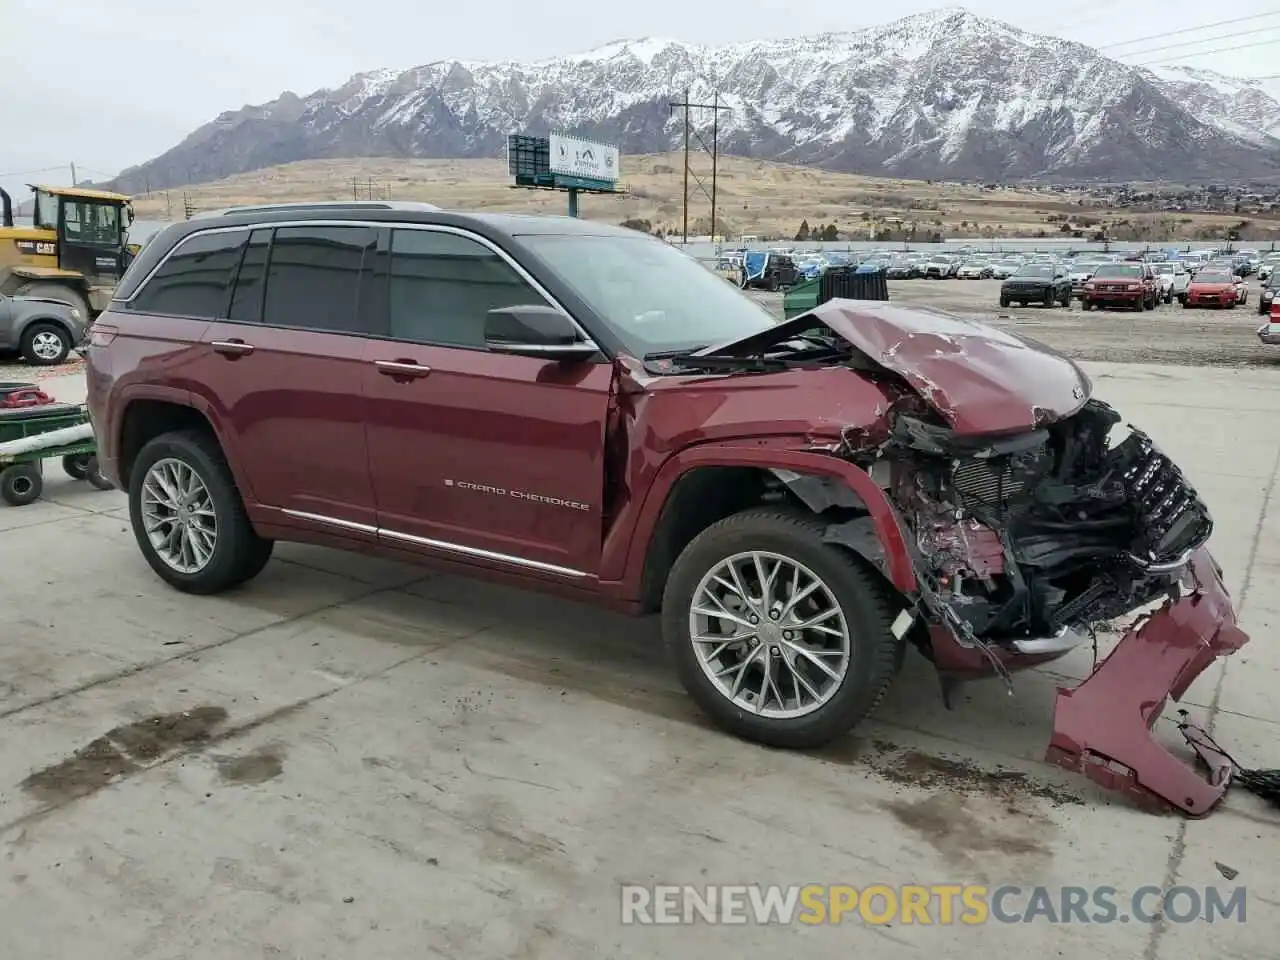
pixel 781 638
pixel 77 465
pixel 188 517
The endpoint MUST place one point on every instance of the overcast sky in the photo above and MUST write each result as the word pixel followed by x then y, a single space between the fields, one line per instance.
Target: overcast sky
pixel 110 84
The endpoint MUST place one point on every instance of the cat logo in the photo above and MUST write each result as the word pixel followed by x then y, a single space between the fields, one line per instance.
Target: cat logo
pixel 38 248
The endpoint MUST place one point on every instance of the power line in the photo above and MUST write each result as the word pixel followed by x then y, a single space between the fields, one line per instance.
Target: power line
pixel 28 173
pixel 1184 43
pixel 1184 30
pixel 1206 53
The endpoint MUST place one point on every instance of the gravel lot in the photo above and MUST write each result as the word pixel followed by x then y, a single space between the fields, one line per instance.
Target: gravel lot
pixel 1169 334
pixel 352 759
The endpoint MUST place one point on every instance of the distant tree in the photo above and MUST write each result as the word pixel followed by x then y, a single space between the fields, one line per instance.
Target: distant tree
pixel 803 232
pixel 830 232
pixel 865 215
pixel 644 226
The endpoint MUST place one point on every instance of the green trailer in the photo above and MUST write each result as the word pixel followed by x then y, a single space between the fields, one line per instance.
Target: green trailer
pixel 31 435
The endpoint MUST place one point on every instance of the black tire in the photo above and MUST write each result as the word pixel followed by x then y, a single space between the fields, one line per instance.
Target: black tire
pixel 21 484
pixel 239 554
pixel 1004 301
pixel 44 331
pixel 77 465
pixel 1066 299
pixel 1049 299
pixel 773 284
pixel 95 476
pixel 862 596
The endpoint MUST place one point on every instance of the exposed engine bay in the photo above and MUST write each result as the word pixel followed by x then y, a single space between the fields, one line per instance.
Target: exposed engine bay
pixel 1059 528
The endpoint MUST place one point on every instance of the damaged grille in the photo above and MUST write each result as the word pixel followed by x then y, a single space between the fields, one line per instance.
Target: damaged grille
pixel 1172 519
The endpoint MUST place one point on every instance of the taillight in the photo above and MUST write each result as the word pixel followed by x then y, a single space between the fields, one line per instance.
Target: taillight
pixel 101 334
pixel 1275 311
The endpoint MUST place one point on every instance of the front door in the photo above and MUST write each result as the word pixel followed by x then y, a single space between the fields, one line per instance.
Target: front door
pixel 474 453
pixel 91 240
pixel 289 366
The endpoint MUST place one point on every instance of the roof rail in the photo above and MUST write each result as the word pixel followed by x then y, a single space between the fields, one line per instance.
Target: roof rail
pixel 305 205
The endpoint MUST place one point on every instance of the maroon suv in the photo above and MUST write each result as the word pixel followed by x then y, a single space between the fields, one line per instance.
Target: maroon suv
pixel 585 410
pixel 1132 285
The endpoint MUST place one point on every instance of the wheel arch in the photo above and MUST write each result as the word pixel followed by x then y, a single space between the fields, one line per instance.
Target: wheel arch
pixel 145 416
pixel 676 509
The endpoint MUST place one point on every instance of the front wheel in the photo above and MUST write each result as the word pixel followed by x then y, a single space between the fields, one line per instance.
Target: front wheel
pixel 1004 301
pixel 188 517
pixel 21 484
pixel 45 344
pixel 780 638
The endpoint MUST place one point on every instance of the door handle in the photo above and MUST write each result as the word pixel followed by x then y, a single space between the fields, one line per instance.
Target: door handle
pixel 232 348
pixel 402 368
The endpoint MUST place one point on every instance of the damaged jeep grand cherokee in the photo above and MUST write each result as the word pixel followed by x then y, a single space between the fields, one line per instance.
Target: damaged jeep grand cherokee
pixel 585 410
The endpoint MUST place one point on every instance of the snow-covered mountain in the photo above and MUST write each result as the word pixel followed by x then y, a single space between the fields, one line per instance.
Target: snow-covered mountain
pixel 1246 107
pixel 939 94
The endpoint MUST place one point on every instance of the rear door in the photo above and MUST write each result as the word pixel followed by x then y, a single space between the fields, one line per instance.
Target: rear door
pixel 476 453
pixel 287 371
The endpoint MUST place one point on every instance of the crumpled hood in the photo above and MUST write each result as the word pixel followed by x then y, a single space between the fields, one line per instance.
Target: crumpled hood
pixel 979 379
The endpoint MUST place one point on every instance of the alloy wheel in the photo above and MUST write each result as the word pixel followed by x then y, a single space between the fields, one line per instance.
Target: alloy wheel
pixel 178 516
pixel 770 634
pixel 46 345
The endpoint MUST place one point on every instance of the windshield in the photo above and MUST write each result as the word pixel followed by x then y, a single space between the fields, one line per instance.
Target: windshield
pixel 1164 268
pixel 653 297
pixel 1213 276
pixel 1121 270
pixel 1036 271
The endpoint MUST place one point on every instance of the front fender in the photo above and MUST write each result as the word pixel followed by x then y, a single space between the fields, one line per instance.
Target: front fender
pixel 631 558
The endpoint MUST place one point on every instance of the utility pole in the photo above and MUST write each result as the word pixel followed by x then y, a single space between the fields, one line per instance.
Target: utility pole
pixel 714 149
pixel 73 173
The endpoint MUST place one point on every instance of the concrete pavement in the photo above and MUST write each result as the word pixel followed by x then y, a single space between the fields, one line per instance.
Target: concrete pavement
pixel 354 758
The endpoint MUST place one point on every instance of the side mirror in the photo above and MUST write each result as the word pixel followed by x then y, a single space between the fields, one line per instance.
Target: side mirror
pixel 535 331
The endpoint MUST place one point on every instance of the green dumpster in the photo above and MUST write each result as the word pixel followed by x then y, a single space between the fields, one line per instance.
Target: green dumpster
pixel 801 298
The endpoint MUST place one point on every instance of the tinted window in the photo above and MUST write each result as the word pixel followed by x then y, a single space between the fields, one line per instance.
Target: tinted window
pixel 1036 272
pixel 195 281
pixel 314 277
pixel 442 285
pixel 246 301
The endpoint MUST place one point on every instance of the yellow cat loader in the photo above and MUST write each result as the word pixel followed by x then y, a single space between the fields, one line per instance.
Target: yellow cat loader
pixel 76 249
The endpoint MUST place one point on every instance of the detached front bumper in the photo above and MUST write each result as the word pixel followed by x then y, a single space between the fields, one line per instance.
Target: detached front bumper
pixel 1103 727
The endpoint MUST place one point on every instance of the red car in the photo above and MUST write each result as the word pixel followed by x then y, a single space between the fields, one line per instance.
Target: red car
pixel 1132 285
pixel 1212 288
pixel 584 410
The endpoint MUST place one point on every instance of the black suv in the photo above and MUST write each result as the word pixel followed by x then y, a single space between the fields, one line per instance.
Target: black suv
pixel 1268 293
pixel 1046 283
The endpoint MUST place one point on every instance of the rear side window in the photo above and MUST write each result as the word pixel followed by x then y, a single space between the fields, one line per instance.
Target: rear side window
pixel 246 301
pixel 195 281
pixel 315 276
pixel 442 285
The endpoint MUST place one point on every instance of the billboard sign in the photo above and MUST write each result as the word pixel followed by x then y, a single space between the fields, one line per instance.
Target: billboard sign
pixel 572 157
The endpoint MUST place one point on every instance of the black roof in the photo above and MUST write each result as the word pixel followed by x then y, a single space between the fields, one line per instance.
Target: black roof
pixel 503 229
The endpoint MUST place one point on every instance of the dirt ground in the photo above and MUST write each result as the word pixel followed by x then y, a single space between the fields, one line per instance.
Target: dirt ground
pixel 1169 334
pixel 758 197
